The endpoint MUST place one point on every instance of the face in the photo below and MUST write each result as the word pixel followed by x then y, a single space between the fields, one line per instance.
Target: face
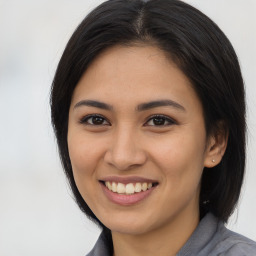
pixel 137 140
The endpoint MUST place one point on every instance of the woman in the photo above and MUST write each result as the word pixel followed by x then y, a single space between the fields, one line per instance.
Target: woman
pixel 149 113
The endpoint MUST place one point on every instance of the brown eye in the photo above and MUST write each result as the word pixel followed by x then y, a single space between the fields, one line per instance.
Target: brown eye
pixel 160 120
pixel 94 120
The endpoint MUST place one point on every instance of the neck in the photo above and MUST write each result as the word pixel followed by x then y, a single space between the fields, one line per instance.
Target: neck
pixel 165 241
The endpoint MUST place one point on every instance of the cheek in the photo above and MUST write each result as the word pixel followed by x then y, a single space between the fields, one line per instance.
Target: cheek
pixel 83 155
pixel 180 157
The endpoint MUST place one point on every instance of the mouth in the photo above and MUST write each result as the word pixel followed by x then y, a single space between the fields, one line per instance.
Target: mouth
pixel 129 188
pixel 127 191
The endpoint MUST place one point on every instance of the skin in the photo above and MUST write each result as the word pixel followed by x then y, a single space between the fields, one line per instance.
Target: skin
pixel 128 142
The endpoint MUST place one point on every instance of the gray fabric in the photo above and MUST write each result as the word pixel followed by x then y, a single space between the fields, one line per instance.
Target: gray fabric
pixel 100 248
pixel 211 238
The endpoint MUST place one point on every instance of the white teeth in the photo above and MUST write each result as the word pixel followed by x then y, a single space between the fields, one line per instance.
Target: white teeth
pixel 137 187
pixel 114 187
pixel 109 186
pixel 128 189
pixel 120 188
pixel 144 186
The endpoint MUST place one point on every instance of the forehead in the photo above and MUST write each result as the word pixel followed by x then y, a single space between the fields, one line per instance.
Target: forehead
pixel 139 59
pixel 138 73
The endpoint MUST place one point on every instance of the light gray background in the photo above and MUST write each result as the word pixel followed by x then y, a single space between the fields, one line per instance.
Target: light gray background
pixel 37 213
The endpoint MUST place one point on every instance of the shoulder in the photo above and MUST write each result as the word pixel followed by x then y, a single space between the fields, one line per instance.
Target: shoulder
pixel 101 247
pixel 229 243
pixel 212 238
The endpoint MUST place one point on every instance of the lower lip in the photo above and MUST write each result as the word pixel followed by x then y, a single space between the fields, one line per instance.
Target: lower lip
pixel 122 199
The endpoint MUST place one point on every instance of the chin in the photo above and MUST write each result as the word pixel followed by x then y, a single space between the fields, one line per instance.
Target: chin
pixel 129 229
pixel 129 226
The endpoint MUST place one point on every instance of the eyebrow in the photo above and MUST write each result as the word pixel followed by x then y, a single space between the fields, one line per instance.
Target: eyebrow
pixel 140 107
pixel 160 103
pixel 93 103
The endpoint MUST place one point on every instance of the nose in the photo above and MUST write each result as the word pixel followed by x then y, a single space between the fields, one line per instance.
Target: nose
pixel 125 150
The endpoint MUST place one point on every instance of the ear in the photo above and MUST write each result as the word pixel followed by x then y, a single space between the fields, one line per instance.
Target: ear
pixel 216 145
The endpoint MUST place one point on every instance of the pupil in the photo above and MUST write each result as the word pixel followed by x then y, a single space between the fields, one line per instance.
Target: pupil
pixel 158 121
pixel 97 120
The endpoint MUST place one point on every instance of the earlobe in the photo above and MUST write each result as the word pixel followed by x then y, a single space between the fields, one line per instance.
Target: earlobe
pixel 216 148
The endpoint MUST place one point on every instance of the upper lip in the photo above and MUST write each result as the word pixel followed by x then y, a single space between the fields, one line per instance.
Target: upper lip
pixel 128 179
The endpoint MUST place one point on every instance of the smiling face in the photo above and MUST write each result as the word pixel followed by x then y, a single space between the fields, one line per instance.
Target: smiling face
pixel 136 120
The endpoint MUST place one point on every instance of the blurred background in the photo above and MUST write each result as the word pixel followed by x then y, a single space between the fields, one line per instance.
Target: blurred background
pixel 38 215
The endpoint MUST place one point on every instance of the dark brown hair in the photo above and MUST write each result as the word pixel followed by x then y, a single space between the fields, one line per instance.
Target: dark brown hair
pixel 200 50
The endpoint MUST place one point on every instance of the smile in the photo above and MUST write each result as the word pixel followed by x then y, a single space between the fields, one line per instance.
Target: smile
pixel 128 189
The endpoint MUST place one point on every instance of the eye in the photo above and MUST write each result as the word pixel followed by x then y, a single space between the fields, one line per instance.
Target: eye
pixel 94 120
pixel 160 120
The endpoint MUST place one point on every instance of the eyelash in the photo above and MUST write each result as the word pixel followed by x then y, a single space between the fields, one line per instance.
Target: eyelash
pixel 170 121
pixel 85 119
pixel 164 118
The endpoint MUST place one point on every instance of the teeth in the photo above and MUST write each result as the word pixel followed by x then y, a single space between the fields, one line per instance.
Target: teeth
pixel 144 186
pixel 137 187
pixel 128 189
pixel 109 185
pixel 120 188
pixel 114 187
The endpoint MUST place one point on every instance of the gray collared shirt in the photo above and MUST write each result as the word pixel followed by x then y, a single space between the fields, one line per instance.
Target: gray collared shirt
pixel 211 238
